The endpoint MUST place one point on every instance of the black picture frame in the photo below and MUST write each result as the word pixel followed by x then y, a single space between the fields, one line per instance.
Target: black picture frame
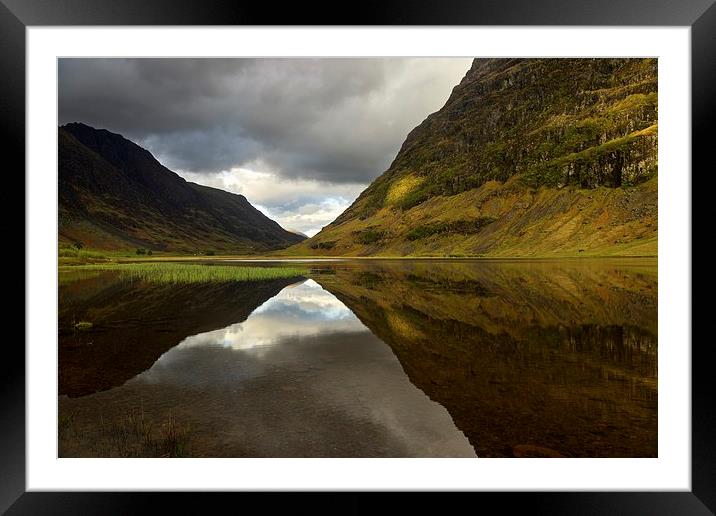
pixel 17 15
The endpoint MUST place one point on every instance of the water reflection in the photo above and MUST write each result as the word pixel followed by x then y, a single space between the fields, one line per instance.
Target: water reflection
pixel 380 358
pixel 135 323
pixel 300 310
pixel 301 376
pixel 529 358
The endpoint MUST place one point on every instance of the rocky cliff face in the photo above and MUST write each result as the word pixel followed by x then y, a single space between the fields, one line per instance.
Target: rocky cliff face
pixel 528 156
pixel 113 194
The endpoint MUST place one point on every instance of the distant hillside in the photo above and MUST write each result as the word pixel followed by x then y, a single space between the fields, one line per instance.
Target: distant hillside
pixel 114 194
pixel 547 157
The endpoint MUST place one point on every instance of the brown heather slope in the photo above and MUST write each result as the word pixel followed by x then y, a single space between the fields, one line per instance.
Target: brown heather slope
pixel 113 194
pixel 528 157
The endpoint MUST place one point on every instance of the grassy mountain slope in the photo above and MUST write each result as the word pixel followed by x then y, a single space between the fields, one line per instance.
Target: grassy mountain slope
pixel 115 195
pixel 548 157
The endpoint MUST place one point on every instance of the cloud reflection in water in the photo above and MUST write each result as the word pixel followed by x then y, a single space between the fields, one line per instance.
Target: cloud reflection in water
pixel 300 310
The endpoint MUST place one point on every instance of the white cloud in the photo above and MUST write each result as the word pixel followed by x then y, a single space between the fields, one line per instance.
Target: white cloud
pixel 304 205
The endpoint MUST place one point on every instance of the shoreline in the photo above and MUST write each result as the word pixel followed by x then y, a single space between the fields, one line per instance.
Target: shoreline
pixel 288 259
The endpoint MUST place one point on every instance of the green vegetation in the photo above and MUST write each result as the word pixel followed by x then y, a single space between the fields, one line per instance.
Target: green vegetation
pixel 83 325
pixel 70 254
pixel 606 164
pixel 76 253
pixel 369 236
pixel 194 273
pixel 402 188
pixel 323 245
pixel 416 197
pixel 462 227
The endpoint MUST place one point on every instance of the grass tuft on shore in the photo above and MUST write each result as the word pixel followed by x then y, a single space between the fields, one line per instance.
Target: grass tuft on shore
pixel 194 273
pixel 132 435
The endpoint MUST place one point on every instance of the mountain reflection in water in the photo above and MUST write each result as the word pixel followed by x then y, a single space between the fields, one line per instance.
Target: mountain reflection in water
pixel 379 358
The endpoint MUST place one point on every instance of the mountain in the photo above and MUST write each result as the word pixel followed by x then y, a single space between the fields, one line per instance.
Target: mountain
pixel 528 157
pixel 113 194
pixel 300 233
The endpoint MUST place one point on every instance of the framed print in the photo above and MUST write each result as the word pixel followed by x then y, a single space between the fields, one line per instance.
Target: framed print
pixel 427 248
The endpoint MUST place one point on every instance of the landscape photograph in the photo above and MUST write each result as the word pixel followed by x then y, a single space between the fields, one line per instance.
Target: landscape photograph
pixel 357 257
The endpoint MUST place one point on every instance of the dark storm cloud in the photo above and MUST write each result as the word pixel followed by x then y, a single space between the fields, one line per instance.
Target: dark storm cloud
pixel 335 120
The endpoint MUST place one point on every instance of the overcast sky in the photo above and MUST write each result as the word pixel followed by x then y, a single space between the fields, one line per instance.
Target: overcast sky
pixel 300 138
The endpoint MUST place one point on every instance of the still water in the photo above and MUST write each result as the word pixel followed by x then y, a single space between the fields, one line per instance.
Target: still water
pixel 410 358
